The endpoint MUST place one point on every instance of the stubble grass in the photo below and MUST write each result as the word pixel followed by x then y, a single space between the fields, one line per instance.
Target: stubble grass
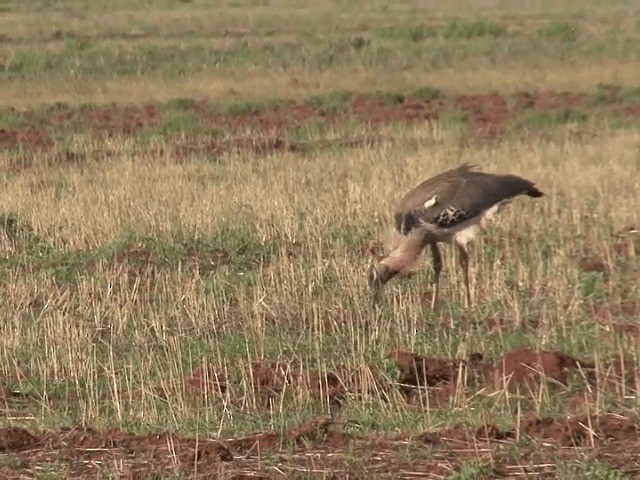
pixel 127 269
pixel 83 317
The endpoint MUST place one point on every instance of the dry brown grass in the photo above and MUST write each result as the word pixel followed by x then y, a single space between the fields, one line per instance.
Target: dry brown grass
pixel 228 86
pixel 164 194
pixel 134 266
pixel 113 344
pixel 306 200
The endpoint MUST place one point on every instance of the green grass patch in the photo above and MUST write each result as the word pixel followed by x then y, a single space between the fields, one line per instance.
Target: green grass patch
pixel 551 119
pixel 458 29
pixel 591 469
pixel 453 43
pixel 11 119
pixel 453 119
pixel 333 102
pixel 608 94
pixel 427 93
pixel 605 95
pixel 312 129
pixel 177 121
pixel 181 103
pixel 391 98
pixel 22 237
pixel 454 29
pixel 630 95
pixel 412 32
pixel 561 31
pixel 242 107
pixel 230 248
pixel 358 42
pixel 473 470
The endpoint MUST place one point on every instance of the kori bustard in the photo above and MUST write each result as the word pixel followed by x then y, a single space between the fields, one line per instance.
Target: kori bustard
pixel 451 207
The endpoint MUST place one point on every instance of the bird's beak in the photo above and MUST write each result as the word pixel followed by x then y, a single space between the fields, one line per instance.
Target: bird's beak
pixel 379 275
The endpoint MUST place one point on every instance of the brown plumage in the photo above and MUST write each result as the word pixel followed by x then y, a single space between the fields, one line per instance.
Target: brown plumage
pixel 451 207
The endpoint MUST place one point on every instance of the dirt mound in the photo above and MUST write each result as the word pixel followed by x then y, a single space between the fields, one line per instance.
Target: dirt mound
pixel 32 138
pixel 440 378
pixel 527 368
pixel 517 369
pixel 110 119
pixel 205 380
pixel 487 114
pixel 582 430
pixel 14 439
pixel 418 370
pixel 318 431
pixel 270 379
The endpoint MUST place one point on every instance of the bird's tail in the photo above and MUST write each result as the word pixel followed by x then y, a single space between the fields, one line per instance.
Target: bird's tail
pixel 401 251
pixel 534 192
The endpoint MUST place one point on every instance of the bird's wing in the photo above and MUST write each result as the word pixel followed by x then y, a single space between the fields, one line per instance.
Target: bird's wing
pixel 452 199
pixel 428 200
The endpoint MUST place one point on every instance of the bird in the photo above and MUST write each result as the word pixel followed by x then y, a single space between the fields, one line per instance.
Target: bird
pixel 452 207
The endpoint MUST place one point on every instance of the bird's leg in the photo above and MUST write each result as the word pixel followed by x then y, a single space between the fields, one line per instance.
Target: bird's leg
pixel 464 263
pixel 437 268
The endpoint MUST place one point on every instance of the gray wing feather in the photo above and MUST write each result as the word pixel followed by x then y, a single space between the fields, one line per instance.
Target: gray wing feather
pixel 455 196
pixel 482 191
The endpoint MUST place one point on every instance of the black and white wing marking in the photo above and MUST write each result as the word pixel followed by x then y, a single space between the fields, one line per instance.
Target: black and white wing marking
pixel 452 202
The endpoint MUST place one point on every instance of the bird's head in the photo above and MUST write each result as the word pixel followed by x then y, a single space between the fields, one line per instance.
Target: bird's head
pixel 380 274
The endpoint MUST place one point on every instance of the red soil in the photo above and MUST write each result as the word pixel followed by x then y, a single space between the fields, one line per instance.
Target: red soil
pixel 488 116
pixel 322 445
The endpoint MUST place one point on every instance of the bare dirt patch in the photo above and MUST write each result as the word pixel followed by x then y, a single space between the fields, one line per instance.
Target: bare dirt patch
pixel 322 445
pixel 528 368
pixel 439 378
pixel 30 138
pixel 84 452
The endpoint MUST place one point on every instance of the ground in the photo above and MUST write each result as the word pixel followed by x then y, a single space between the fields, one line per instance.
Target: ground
pixel 191 196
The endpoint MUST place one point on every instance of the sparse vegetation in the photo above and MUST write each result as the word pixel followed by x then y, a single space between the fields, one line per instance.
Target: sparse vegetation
pixel 190 196
pixel 542 120
pixel 562 31
pixel 469 30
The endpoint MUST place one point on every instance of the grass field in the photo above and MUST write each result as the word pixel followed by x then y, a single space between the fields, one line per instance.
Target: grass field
pixel 191 196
